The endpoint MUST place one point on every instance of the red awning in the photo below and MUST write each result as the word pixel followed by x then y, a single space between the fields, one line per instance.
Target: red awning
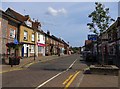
pixel 40 44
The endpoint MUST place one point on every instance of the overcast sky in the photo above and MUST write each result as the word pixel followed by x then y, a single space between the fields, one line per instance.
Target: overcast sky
pixel 66 20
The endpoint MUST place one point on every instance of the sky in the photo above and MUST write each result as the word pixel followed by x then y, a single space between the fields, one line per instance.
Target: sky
pixel 66 20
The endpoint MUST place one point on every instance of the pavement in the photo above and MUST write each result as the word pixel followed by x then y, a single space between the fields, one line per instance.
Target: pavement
pixel 26 62
pixel 94 80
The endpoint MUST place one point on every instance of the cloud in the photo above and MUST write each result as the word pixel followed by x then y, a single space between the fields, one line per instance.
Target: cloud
pixel 55 12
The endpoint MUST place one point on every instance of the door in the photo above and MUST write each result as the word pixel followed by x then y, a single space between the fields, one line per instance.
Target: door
pixel 27 51
pixel 23 51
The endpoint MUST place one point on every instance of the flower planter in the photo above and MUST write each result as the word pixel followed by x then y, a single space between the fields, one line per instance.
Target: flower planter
pixel 14 60
pixel 11 61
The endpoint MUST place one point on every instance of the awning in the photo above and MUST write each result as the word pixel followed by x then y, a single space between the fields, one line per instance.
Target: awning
pixel 40 44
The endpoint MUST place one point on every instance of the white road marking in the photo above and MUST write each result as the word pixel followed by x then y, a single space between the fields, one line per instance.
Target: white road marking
pixel 55 76
pixel 49 80
pixel 72 64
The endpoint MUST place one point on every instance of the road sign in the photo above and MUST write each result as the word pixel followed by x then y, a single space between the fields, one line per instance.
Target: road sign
pixel 92 37
pixel 15 41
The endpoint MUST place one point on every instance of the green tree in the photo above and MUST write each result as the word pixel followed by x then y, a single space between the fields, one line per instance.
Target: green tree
pixel 100 19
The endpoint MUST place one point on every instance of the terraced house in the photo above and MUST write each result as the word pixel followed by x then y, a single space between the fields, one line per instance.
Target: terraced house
pixel 55 45
pixel 26 33
pixel 34 41
pixel 8 33
pixel 40 39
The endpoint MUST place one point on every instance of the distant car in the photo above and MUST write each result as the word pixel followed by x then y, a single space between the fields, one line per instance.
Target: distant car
pixel 88 56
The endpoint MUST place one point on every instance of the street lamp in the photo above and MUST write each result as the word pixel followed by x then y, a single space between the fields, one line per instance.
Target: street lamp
pixel 34 44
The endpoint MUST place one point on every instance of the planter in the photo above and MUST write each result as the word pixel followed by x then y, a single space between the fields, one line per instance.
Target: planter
pixel 14 60
pixel 105 69
pixel 11 61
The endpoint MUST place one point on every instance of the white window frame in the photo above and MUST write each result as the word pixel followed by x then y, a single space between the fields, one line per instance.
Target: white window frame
pixel 39 36
pixel 12 33
pixel 33 37
pixel 32 48
pixel 28 23
pixel 25 35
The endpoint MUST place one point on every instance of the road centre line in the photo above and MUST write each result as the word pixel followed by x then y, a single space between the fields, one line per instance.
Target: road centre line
pixel 55 76
pixel 68 84
pixel 72 64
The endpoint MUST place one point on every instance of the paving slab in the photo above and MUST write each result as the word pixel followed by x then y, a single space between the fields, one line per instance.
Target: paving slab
pixel 93 80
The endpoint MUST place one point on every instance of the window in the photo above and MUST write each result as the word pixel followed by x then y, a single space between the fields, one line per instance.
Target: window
pixel 12 33
pixel 32 48
pixel 43 38
pixel 38 37
pixel 33 37
pixel 25 35
pixel 28 23
pixel 40 49
pixel 50 40
pixel 118 32
pixel 47 38
pixel 39 28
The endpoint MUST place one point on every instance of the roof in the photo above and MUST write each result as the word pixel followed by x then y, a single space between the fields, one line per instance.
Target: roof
pixel 115 24
pixel 2 13
pixel 16 15
pixel 22 19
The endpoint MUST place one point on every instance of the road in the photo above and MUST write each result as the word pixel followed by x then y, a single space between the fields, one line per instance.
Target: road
pixel 60 72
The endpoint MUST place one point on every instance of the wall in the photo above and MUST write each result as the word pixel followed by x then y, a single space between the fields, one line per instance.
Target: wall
pixel 30 32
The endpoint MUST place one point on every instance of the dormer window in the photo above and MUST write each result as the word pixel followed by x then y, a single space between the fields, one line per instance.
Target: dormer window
pixel 28 23
pixel 39 28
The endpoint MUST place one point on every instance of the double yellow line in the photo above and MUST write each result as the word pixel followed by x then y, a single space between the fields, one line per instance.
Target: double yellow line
pixel 70 79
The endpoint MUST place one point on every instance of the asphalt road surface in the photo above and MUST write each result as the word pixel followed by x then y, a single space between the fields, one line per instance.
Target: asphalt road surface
pixel 62 72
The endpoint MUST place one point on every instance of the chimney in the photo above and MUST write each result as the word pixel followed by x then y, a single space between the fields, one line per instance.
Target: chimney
pixel 48 32
pixel 26 15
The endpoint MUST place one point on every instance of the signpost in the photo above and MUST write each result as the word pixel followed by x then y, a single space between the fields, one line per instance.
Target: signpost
pixel 92 37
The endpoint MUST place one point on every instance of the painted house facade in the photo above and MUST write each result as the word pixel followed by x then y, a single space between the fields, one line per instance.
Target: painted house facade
pixel 40 43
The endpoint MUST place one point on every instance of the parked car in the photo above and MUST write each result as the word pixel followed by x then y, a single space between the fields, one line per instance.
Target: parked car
pixel 88 56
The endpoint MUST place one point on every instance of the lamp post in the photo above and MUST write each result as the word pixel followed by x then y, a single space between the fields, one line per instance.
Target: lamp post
pixel 34 45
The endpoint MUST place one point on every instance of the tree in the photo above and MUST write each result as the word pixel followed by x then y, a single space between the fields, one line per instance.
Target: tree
pixel 100 21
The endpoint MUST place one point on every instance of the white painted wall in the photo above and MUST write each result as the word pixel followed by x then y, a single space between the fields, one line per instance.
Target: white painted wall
pixel 41 40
